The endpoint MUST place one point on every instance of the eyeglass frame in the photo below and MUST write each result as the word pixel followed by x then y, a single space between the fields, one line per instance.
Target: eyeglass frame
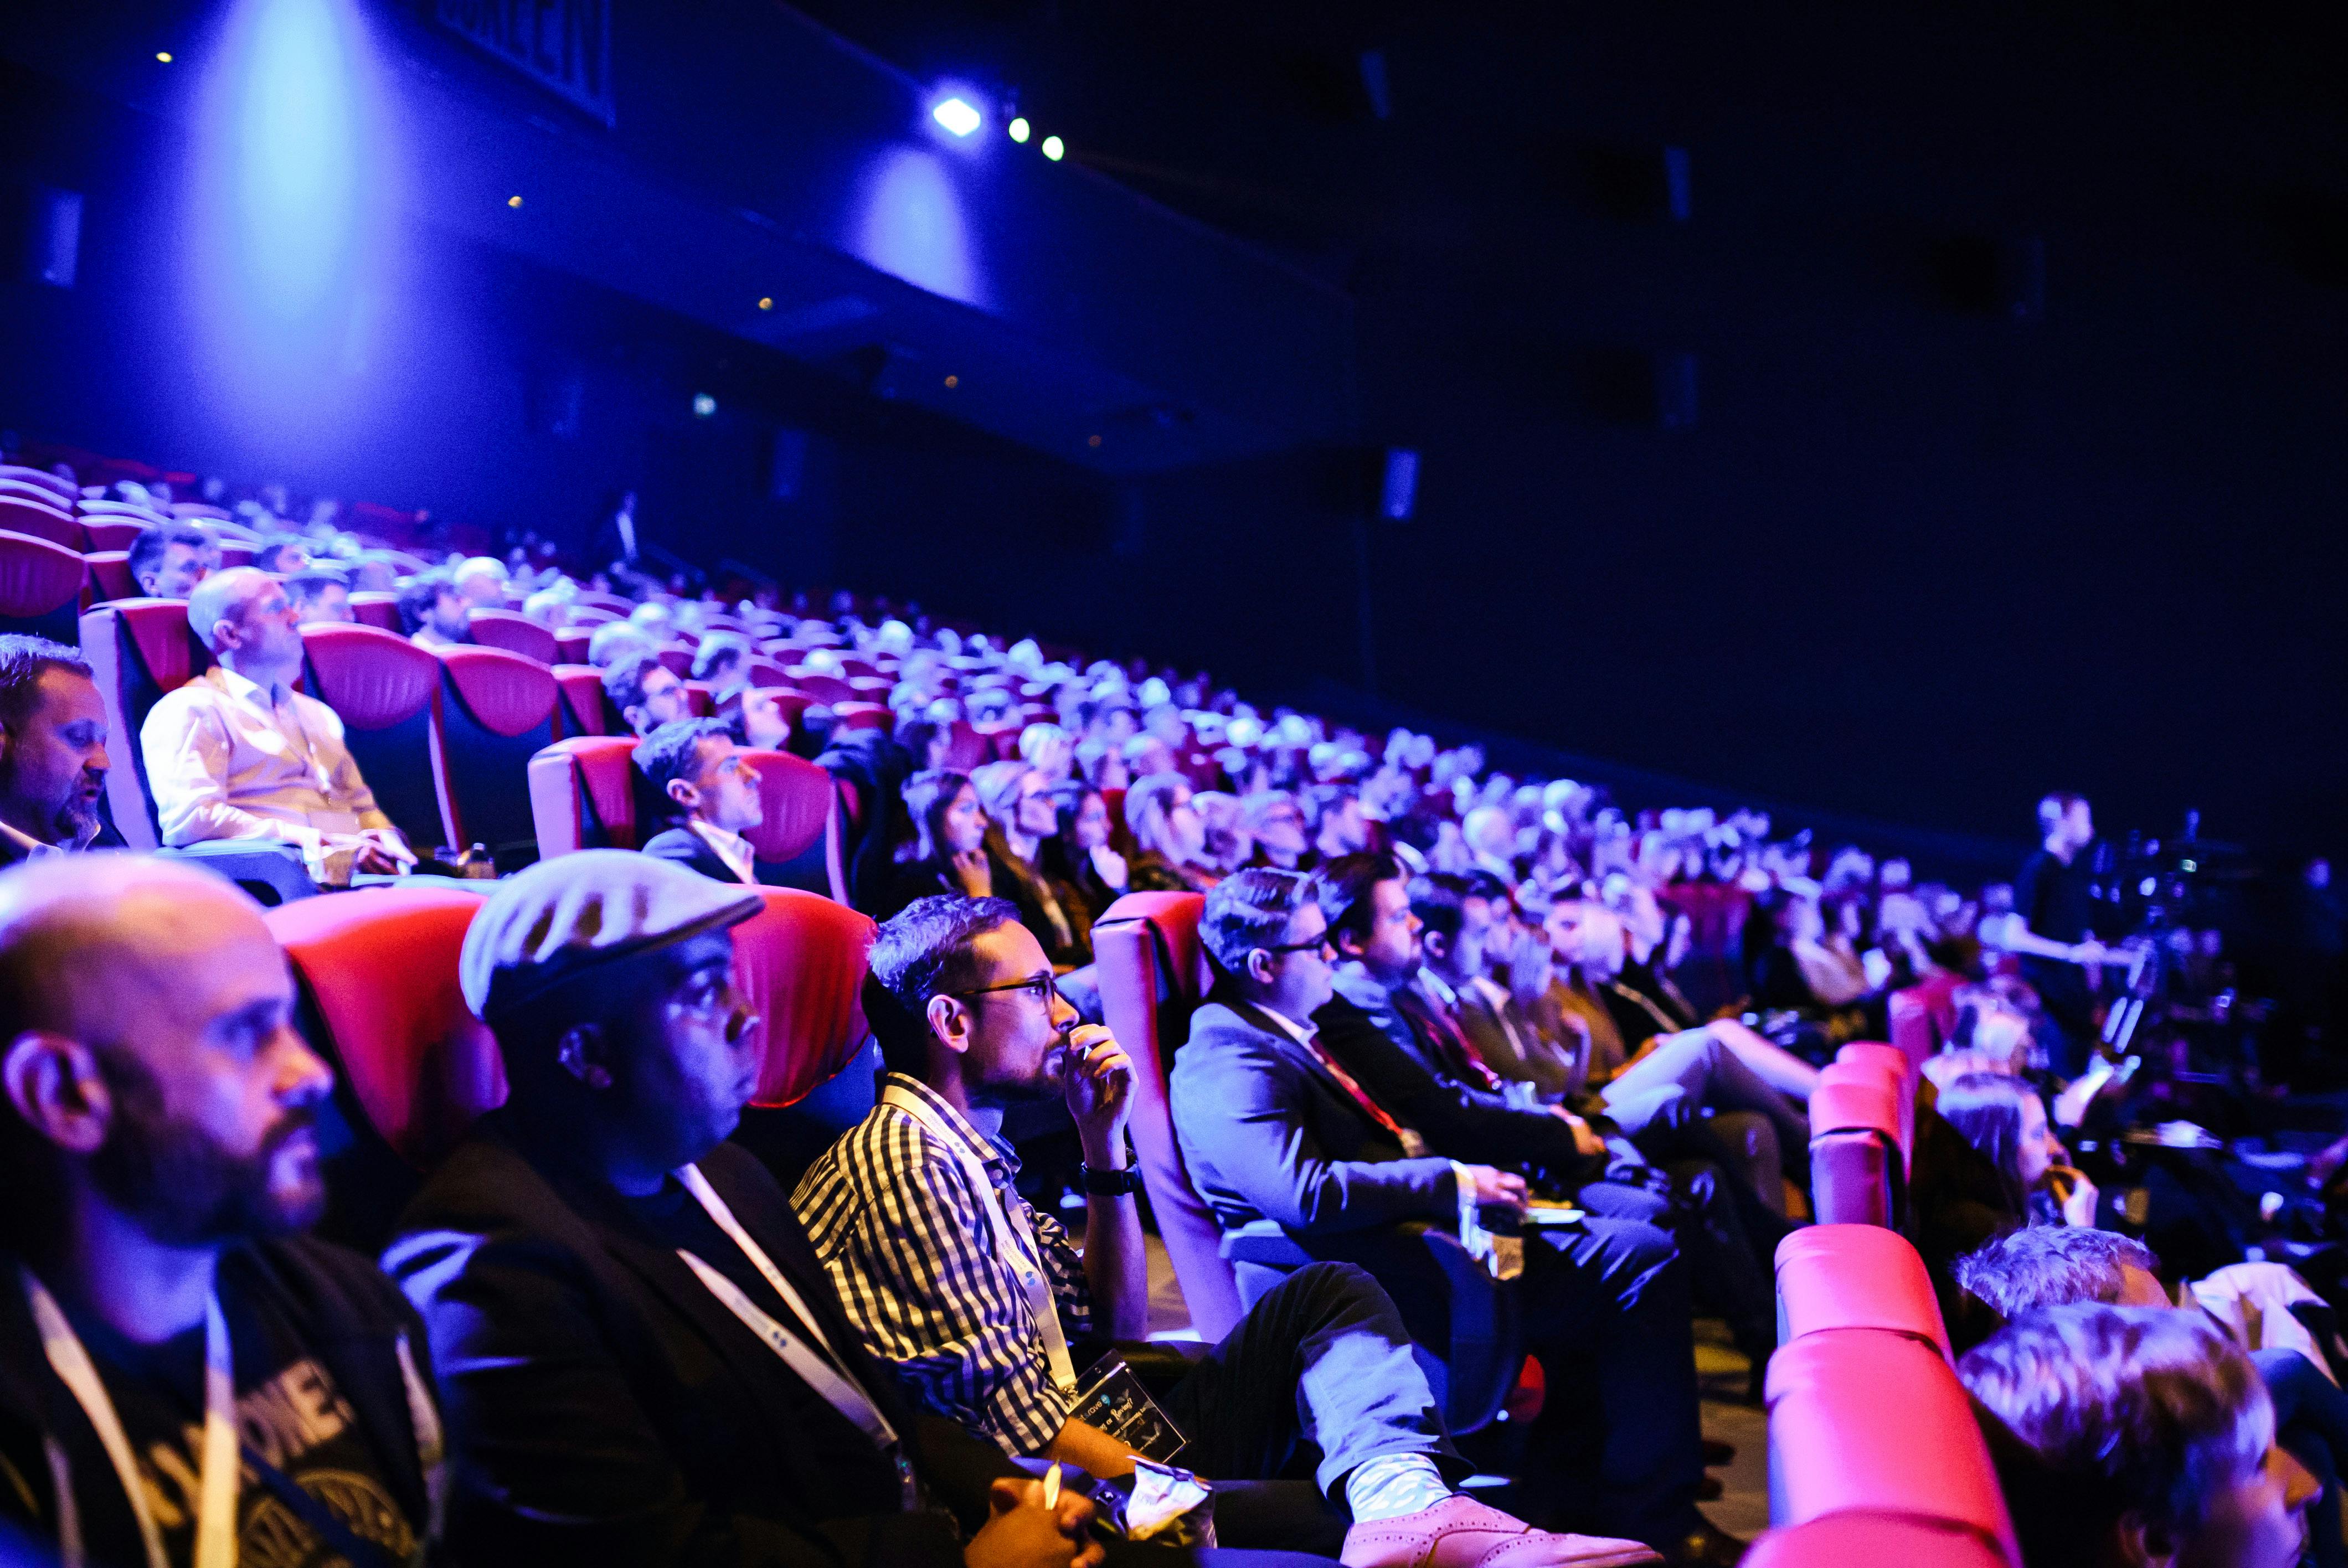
pixel 1049 981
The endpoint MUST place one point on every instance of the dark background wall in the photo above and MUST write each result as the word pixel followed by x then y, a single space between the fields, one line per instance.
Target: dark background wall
pixel 1915 559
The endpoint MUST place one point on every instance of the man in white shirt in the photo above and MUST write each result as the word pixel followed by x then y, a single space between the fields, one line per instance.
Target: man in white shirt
pixel 694 764
pixel 237 752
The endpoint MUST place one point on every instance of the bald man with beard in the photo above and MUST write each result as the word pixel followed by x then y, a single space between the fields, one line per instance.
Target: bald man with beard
pixel 183 1378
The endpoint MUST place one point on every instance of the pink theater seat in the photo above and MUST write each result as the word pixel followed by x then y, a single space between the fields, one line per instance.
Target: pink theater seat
pixel 90 507
pixel 571 645
pixel 679 660
pixel 376 607
pixel 822 687
pixel 861 716
pixel 801 963
pixel 583 795
pixel 384 688
pixel 53 487
pixel 20 516
pixel 497 710
pixel 1861 1421
pixel 1889 1064
pixel 701 697
pixel 139 648
pixel 236 553
pixel 1855 1540
pixel 514 633
pixel 585 711
pixel 1833 1277
pixel 611 603
pixel 40 587
pixel 109 577
pixel 802 814
pixel 103 534
pixel 1856 1171
pixel 967 749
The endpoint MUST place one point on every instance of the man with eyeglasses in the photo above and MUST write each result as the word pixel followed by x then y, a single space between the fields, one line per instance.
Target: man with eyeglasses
pixel 987 1307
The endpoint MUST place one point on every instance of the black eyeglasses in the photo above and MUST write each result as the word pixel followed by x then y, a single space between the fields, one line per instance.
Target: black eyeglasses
pixel 1326 941
pixel 1043 988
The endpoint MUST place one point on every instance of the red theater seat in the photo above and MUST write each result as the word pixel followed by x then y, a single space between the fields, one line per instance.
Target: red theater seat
pixel 40 587
pixel 236 553
pixel 384 688
pixel 679 660
pixel 1856 1169
pixel 861 716
pixel 586 711
pixel 139 648
pixel 109 576
pixel 1833 1277
pixel 514 633
pixel 376 607
pixel 497 710
pixel 40 479
pixel 103 534
pixel 1856 1539
pixel 1871 1422
pixel 571 645
pixel 20 516
pixel 583 795
pixel 1889 1064
pixel 801 830
pixel 801 963
pixel 822 687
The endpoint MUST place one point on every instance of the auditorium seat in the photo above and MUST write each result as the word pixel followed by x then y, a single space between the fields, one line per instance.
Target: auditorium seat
pixel 966 748
pixel 586 710
pixel 103 534
pixel 679 660
pixel 1834 1276
pixel 571 645
pixel 1870 1422
pixel 95 506
pixel 819 686
pixel 61 491
pixel 376 607
pixel 1153 974
pixel 377 971
pixel 611 603
pixel 1856 1538
pixel 21 516
pixel 514 633
pixel 497 710
pixel 801 963
pixel 861 716
pixel 383 687
pixel 139 648
pixel 40 587
pixel 1891 1065
pixel 1857 1171
pixel 108 577
pixel 766 672
pixel 701 697
pixel 800 834
pixel 583 795
pixel 236 553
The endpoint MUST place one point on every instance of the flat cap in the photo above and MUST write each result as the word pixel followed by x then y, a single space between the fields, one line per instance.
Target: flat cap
pixel 562 918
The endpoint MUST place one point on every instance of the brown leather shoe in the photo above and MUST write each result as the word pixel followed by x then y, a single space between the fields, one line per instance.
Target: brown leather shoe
pixel 1460 1532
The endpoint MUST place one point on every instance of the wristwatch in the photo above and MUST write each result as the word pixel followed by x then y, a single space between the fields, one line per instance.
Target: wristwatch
pixel 1111 1184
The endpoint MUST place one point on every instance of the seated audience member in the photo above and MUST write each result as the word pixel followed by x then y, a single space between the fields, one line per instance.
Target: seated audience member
pixel 927 741
pixel 2066 1265
pixel 1145 754
pixel 237 752
pixel 721 658
pixel 711 788
pixel 1272 1127
pixel 283 556
pixel 927 1240
pixel 2136 1436
pixel 616 642
pixel 1469 923
pixel 1987 1161
pixel 647 693
pixel 1227 847
pixel 946 854
pixel 1049 749
pixel 1339 827
pixel 1167 837
pixel 480 582
pixel 1017 801
pixel 53 761
pixel 159 1129
pixel 1276 823
pixel 642 1361
pixel 755 718
pixel 549 606
pixel 433 613
pixel 320 595
pixel 1079 855
pixel 167 560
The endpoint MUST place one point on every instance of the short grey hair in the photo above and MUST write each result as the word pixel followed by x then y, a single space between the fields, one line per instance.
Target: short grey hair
pixel 223 597
pixel 2050 1265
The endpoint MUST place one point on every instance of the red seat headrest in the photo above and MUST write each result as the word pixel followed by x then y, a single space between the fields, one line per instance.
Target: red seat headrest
pixel 1858 1540
pixel 801 963
pixel 796 795
pixel 1856 1277
pixel 371 678
pixel 514 633
pixel 504 692
pixel 36 575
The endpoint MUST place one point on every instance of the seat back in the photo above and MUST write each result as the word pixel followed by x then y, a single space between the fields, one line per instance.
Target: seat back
pixel 801 962
pixel 1889 1064
pixel 1868 1421
pixel 109 576
pixel 1832 1276
pixel 1860 1540
pixel 1153 974
pixel 384 688
pixel 585 710
pixel 139 648
pixel 514 633
pixel 378 975
pixel 497 710
pixel 1856 1172
pixel 583 795
pixel 40 587
pixel 376 607
pixel 571 644
pixel 34 519
pixel 800 832
pixel 103 534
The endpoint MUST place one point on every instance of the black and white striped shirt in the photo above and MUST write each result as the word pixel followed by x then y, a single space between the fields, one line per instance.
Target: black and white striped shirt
pixel 911 1249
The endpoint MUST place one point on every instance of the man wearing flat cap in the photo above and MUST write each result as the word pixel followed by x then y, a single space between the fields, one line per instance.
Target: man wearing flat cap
pixel 641 1360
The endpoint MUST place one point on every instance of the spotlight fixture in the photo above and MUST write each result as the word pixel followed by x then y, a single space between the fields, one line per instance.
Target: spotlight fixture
pixel 1054 148
pixel 1018 129
pixel 164 55
pixel 765 304
pixel 513 200
pixel 957 115
pixel 703 406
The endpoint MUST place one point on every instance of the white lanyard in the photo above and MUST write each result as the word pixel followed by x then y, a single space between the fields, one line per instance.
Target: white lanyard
pixel 221 1466
pixel 822 1372
pixel 1025 1258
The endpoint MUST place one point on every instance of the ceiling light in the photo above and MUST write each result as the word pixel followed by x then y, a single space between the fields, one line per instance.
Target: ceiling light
pixel 1018 129
pixel 958 115
pixel 1053 148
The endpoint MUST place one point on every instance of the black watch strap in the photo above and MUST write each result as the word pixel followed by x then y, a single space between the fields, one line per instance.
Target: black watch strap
pixel 1111 1184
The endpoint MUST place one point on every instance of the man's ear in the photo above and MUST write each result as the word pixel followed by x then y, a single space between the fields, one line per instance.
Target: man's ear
pixel 684 792
pixel 53 1082
pixel 1257 965
pixel 1436 945
pixel 585 1054
pixel 949 1023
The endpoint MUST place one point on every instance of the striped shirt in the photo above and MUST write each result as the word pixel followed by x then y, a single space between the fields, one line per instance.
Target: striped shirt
pixel 911 1249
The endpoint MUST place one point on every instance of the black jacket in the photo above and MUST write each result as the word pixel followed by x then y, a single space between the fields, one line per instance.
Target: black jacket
pixel 348 1317
pixel 603 1407
pixel 692 851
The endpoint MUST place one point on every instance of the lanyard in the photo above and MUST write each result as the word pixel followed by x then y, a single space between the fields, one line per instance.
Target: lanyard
pixel 1017 1241
pixel 1413 1145
pixel 215 1491
pixel 822 1372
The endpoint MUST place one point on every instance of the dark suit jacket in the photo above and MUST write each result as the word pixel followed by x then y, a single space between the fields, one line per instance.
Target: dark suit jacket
pixel 692 851
pixel 1268 1135
pixel 603 1407
pixel 1377 1044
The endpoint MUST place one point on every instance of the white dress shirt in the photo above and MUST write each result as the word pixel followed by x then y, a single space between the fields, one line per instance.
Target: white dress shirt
pixel 226 759
pixel 731 847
